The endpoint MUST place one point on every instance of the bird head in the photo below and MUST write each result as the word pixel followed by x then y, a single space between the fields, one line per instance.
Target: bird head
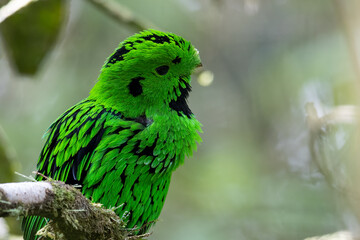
pixel 148 72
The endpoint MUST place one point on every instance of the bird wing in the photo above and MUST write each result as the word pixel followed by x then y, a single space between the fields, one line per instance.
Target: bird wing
pixel 72 141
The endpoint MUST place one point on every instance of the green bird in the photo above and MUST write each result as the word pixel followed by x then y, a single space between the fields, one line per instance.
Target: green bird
pixel 122 142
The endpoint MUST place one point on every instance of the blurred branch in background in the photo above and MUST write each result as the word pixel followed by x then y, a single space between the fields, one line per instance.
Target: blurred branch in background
pixel 33 30
pixel 334 149
pixel 343 235
pixel 7 159
pixel 27 32
pixel 121 14
pixel 8 165
pixel 12 7
pixel 349 18
pixel 322 135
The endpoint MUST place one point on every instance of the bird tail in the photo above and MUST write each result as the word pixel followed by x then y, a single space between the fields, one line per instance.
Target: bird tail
pixel 31 225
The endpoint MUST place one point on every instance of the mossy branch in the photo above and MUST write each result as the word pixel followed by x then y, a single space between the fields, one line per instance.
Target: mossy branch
pixel 72 216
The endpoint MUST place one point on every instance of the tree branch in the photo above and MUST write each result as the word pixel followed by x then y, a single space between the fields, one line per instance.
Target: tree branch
pixel 121 14
pixel 72 216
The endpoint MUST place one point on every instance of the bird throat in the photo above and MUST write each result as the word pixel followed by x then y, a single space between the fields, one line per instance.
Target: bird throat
pixel 180 105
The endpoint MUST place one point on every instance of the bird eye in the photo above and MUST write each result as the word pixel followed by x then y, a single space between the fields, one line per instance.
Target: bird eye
pixel 162 70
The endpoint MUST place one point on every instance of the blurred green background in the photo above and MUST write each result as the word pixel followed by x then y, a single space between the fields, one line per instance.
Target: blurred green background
pixel 254 176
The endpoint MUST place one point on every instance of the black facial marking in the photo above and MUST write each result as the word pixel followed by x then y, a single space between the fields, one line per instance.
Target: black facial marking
pixel 177 60
pixel 157 39
pixel 189 47
pixel 180 105
pixel 135 87
pixel 130 45
pixel 117 56
pixel 162 70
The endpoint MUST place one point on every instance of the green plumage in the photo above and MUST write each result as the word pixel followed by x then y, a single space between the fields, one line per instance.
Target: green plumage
pixel 123 142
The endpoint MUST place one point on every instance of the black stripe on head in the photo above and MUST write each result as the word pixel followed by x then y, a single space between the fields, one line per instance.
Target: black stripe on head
pixel 135 87
pixel 120 52
pixel 177 60
pixel 117 56
pixel 157 39
pixel 177 44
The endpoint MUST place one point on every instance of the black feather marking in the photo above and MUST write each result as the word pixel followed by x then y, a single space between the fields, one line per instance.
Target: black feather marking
pixel 189 47
pixel 135 150
pixel 177 44
pixel 157 39
pixel 81 154
pixel 152 170
pixel 54 168
pixel 180 104
pixel 135 87
pixel 177 60
pixel 132 187
pixel 88 131
pixel 149 150
pixel 123 177
pixel 117 56
pixel 76 130
pixel 152 199
pixel 130 44
pixel 53 142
